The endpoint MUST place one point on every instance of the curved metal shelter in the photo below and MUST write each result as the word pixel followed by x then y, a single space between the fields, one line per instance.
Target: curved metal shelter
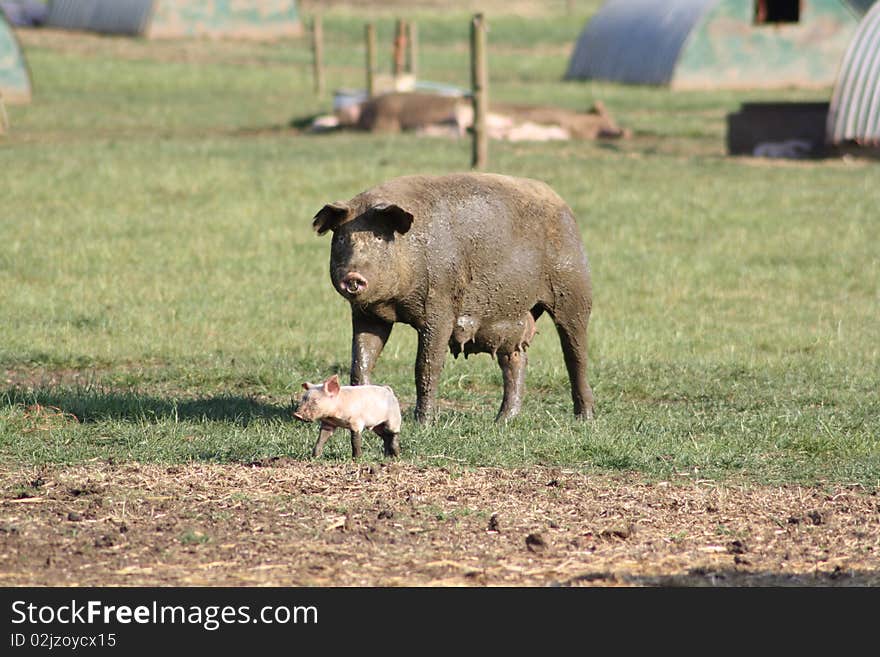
pixel 635 41
pixel 854 114
pixel 716 44
pixel 861 7
pixel 15 80
pixel 255 19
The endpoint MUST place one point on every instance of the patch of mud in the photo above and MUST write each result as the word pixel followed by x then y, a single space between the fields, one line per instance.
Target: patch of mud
pixel 290 523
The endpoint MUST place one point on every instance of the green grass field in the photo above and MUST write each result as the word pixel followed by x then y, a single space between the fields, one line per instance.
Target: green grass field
pixel 162 295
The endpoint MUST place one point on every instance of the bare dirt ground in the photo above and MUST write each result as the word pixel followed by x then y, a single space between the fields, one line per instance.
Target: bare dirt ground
pixel 292 523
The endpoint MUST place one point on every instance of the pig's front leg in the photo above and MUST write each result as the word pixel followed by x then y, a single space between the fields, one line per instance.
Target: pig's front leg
pixel 513 372
pixel 355 443
pixel 326 431
pixel 433 343
pixel 369 336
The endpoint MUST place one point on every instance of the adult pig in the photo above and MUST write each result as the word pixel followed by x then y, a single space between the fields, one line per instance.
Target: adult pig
pixel 474 249
pixel 399 111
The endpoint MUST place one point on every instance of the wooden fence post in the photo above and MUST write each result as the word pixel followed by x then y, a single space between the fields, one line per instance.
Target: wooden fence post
pixel 479 92
pixel 412 60
pixel 318 53
pixel 4 117
pixel 399 49
pixel 370 35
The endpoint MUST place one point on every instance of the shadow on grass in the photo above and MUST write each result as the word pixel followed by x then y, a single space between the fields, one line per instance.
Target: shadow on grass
pixel 89 406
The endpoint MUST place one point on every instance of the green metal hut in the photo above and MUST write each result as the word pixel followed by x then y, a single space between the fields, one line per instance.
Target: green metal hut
pixel 252 19
pixel 855 104
pixel 717 44
pixel 15 81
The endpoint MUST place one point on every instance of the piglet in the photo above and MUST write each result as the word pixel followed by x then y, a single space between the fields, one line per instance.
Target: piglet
pixel 351 407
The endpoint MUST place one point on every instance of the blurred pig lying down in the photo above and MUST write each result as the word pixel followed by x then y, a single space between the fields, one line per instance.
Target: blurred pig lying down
pixel 452 116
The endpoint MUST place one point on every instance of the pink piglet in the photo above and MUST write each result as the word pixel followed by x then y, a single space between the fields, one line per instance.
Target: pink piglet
pixel 354 408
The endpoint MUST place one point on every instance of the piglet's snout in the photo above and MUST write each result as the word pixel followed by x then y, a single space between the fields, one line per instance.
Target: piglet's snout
pixel 352 283
pixel 300 413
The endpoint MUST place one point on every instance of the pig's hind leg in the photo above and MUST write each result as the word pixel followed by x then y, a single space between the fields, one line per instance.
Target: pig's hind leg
pixel 390 437
pixel 571 325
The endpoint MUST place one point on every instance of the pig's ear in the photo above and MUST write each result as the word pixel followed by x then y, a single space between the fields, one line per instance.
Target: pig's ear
pixel 400 219
pixel 330 216
pixel 307 386
pixel 331 385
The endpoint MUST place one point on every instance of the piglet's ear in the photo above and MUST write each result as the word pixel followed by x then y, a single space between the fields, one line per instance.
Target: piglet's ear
pixel 307 386
pixel 400 219
pixel 330 216
pixel 331 385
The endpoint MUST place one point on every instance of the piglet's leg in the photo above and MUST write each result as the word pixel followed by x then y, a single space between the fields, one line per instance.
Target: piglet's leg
pixel 355 443
pixel 392 444
pixel 390 438
pixel 326 431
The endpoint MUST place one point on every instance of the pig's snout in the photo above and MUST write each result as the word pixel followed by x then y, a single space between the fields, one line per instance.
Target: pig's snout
pixel 353 283
pixel 302 412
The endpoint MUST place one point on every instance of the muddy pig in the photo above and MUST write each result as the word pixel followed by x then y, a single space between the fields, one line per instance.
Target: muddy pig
pixel 353 408
pixel 475 251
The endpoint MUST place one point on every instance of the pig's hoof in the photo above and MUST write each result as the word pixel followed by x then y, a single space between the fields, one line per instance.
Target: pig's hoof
pixel 586 415
pixel 506 416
